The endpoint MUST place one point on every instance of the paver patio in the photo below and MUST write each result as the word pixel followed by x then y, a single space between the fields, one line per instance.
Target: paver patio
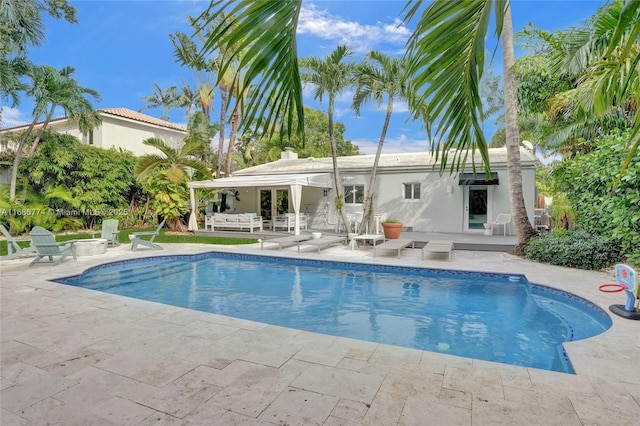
pixel 72 356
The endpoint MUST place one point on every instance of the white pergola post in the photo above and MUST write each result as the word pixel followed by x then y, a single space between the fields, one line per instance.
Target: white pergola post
pixel 296 196
pixel 193 221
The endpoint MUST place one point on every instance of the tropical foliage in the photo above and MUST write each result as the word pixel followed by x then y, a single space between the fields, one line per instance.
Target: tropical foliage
pixel 582 92
pixel 261 150
pixel 607 53
pixel 165 177
pixel 613 213
pixel 70 185
pixel 574 249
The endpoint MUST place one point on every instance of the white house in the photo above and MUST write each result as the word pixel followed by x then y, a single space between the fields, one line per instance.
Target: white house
pixel 409 187
pixel 121 128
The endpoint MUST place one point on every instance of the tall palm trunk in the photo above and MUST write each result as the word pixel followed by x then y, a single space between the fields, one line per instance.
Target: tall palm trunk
pixel 235 123
pixel 224 100
pixel 367 218
pixel 36 141
pixel 16 160
pixel 336 170
pixel 524 230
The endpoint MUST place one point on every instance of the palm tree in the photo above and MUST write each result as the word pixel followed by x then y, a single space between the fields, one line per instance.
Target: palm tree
pixel 266 50
pixel 186 53
pixel 331 76
pixel 447 50
pixel 165 99
pixel 379 76
pixel 604 57
pixel 166 175
pixel 236 120
pixel 188 98
pixel 21 27
pixel 50 89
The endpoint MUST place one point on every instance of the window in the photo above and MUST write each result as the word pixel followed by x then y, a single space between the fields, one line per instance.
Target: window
pixel 353 194
pixel 411 191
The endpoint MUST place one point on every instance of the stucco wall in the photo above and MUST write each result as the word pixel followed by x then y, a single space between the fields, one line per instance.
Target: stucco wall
pixel 437 210
pixel 128 135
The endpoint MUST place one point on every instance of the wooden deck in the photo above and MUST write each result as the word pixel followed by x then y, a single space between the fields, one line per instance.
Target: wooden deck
pixel 478 242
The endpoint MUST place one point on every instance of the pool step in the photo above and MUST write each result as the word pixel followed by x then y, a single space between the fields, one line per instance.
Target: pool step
pixel 104 279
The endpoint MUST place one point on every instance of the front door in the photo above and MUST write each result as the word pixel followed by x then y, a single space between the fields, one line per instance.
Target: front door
pixel 476 208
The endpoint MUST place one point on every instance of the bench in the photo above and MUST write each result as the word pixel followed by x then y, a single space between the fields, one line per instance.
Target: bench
pixel 240 221
pixel 436 246
pixel 398 244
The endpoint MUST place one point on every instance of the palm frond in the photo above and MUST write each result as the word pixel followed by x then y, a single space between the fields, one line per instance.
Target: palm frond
pixel 162 146
pixel 264 36
pixel 447 62
pixel 147 164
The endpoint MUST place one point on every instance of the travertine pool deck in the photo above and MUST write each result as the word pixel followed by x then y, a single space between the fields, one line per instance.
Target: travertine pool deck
pixel 72 356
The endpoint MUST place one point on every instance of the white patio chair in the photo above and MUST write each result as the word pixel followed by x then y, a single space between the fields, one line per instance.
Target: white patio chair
pixel 503 220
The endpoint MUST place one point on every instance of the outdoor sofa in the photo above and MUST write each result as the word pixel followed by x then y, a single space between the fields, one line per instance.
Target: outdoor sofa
pixel 240 221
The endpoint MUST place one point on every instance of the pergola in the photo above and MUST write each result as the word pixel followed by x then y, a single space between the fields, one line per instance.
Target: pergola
pixel 294 181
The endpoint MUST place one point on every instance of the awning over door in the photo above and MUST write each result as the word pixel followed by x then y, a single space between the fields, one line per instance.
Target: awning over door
pixel 478 179
pixel 294 181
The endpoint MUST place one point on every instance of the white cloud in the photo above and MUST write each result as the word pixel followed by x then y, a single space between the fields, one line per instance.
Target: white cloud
pixel 12 117
pixel 359 37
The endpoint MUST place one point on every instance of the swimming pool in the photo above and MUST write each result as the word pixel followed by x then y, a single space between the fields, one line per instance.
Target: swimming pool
pixel 494 317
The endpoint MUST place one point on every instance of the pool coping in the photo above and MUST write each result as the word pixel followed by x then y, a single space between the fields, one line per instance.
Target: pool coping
pixel 606 386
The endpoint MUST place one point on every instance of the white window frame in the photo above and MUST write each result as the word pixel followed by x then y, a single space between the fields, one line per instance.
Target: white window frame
pixel 413 191
pixel 348 194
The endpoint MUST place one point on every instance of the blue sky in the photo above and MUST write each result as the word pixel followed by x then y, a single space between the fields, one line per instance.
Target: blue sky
pixel 120 48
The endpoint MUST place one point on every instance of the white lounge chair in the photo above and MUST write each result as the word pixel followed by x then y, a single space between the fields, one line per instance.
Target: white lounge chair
pixel 322 242
pixel 436 246
pixel 287 241
pixel 503 220
pixel 395 244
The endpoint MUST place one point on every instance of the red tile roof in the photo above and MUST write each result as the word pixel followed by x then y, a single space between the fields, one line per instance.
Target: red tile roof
pixel 122 113
pixel 138 116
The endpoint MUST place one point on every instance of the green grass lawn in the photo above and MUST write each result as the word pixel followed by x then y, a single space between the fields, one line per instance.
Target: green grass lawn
pixel 123 237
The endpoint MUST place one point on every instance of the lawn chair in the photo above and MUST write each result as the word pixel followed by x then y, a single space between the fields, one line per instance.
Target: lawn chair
pixel 503 220
pixel 137 239
pixel 13 248
pixel 109 232
pixel 46 247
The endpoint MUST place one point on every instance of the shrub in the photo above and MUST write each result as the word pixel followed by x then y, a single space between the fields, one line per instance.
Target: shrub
pixel 574 249
pixel 588 181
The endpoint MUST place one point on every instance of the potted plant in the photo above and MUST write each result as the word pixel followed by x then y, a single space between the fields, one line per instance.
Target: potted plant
pixel 392 228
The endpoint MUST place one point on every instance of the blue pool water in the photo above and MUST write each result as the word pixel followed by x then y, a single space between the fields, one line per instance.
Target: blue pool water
pixel 487 316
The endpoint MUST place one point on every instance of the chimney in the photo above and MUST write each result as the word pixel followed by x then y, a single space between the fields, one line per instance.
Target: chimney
pixel 288 154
